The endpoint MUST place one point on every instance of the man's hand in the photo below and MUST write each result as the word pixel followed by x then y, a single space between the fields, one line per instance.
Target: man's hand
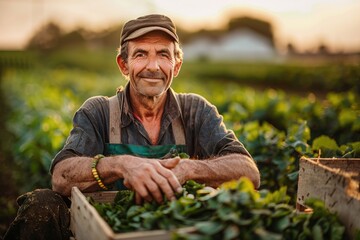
pixel 217 170
pixel 150 178
pixel 178 169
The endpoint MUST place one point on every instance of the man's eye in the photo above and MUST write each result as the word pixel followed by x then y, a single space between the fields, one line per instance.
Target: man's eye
pixel 137 55
pixel 164 55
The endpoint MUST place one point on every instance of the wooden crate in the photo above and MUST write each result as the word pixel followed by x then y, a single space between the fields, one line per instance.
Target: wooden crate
pixel 87 224
pixel 336 182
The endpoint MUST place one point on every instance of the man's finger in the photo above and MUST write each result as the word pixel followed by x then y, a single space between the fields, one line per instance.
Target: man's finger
pixel 170 163
pixel 172 183
pixel 138 198
pixel 143 193
pixel 154 189
pixel 169 175
pixel 127 184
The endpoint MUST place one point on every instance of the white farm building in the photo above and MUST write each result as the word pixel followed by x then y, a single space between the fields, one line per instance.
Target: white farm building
pixel 240 42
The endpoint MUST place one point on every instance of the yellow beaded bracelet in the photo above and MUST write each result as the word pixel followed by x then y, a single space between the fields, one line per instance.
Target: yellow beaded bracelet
pixel 95 172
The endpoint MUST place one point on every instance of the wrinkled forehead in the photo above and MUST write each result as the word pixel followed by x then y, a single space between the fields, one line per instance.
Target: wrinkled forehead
pixel 156 39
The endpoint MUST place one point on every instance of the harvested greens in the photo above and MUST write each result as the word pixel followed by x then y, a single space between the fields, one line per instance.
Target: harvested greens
pixel 234 211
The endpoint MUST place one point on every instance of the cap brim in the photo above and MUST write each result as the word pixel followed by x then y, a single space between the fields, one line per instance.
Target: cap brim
pixel 142 31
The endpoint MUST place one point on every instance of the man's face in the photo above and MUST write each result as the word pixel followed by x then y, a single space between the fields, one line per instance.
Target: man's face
pixel 151 64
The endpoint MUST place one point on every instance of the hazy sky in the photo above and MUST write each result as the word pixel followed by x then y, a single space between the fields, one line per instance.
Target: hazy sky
pixel 305 23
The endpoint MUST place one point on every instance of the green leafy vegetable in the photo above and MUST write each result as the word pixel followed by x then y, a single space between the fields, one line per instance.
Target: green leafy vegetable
pixel 234 211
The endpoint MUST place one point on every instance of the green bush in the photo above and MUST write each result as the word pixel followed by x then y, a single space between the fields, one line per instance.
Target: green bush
pixel 277 128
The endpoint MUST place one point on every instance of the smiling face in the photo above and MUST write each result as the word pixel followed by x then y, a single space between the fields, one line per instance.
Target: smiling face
pixel 151 64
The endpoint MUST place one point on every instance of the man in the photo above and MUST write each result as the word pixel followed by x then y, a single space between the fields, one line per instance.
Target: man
pixel 132 139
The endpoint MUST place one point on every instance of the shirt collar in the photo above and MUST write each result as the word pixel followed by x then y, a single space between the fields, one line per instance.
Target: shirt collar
pixel 172 109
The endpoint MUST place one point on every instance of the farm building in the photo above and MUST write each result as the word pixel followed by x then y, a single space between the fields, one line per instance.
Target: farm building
pixel 244 39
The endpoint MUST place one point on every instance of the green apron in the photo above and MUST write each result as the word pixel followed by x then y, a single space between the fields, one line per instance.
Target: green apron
pixel 115 147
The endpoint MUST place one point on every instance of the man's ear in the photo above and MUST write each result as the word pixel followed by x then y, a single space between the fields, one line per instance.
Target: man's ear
pixel 122 65
pixel 177 68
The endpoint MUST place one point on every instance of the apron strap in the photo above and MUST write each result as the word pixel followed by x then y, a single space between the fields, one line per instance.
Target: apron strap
pixel 115 109
pixel 178 131
pixel 178 124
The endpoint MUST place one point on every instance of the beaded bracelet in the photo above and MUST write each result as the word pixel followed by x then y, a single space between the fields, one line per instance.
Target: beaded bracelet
pixel 95 172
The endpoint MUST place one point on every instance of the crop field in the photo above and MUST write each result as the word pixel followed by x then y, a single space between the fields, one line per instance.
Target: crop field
pixel 279 111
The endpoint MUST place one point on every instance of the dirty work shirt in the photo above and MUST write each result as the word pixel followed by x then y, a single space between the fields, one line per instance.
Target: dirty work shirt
pixel 205 132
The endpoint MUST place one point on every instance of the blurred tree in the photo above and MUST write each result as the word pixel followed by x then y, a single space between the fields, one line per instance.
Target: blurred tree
pixel 323 49
pixel 47 37
pixel 291 49
pixel 51 37
pixel 71 39
pixel 260 26
pixel 108 38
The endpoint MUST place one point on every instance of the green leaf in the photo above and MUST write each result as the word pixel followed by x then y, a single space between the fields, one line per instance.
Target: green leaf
pixel 337 232
pixel 317 233
pixel 293 176
pixel 231 232
pixel 263 234
pixel 209 228
pixel 184 155
pixel 347 117
pixel 299 132
pixel 125 198
pixel 244 198
pixel 224 197
pixel 351 150
pixel 281 224
pixel 325 142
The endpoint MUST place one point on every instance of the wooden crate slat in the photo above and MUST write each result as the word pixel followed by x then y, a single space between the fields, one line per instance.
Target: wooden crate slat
pixel 334 183
pixel 350 165
pixel 87 224
pixel 102 197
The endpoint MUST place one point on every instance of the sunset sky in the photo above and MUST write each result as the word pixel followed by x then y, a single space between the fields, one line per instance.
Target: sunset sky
pixel 305 23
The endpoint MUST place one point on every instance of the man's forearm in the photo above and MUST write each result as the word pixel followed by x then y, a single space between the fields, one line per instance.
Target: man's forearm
pixel 76 171
pixel 213 172
pixel 148 177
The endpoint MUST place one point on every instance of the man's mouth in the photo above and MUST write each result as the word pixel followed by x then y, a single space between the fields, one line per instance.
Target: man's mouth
pixel 152 76
pixel 152 80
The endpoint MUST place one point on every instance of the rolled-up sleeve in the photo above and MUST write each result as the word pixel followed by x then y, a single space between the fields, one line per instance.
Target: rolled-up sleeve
pixel 206 133
pixel 215 138
pixel 88 133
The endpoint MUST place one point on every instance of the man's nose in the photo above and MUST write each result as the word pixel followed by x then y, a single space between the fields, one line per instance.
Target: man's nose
pixel 153 64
